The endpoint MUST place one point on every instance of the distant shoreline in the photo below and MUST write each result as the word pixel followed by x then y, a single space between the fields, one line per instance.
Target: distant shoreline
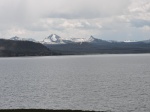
pixel 72 55
pixel 43 110
pixel 10 48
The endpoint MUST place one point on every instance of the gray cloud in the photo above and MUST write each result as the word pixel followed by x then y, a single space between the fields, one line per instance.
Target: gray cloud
pixel 140 23
pixel 35 18
pixel 87 9
pixel 27 10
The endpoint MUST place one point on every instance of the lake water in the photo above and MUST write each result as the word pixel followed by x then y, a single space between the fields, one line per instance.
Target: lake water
pixel 118 83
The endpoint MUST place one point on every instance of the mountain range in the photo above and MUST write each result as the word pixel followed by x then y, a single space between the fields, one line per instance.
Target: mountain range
pixel 55 39
pixel 93 45
pixel 78 46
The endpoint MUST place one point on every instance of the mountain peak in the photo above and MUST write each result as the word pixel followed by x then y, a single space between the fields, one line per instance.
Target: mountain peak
pixel 53 39
pixel 53 35
pixel 15 38
pixel 93 39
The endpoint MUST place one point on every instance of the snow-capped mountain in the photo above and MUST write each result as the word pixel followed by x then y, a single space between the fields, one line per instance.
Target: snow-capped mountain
pixel 87 40
pixel 22 39
pixel 95 40
pixel 91 39
pixel 53 39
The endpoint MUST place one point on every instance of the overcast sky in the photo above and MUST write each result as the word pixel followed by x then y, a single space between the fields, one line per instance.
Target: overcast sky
pixel 105 19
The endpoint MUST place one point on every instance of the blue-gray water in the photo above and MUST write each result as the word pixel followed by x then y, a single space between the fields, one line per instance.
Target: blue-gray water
pixel 120 83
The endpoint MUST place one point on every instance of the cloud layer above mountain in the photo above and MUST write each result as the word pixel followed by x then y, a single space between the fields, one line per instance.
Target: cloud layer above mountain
pixel 115 19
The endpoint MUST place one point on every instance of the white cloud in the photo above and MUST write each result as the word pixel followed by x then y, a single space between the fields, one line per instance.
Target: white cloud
pixel 146 29
pixel 140 6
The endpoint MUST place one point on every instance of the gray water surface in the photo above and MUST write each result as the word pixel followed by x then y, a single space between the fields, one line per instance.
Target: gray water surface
pixel 119 83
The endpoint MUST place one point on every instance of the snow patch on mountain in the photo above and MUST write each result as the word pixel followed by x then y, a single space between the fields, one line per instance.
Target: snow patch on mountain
pixel 78 40
pixel 22 39
pixel 16 38
pixel 128 41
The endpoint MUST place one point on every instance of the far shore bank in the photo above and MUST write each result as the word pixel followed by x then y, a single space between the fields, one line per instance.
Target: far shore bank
pixel 43 110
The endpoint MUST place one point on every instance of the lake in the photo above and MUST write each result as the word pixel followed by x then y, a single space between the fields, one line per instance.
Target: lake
pixel 118 83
